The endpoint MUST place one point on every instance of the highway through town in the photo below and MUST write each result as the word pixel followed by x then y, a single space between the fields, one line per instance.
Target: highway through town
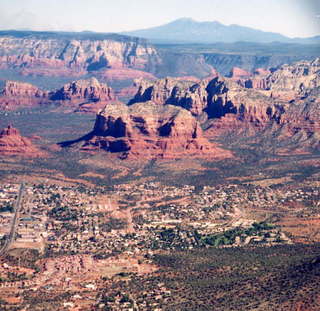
pixel 15 221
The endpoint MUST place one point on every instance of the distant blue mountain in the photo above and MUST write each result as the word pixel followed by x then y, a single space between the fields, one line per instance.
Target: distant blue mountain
pixel 187 30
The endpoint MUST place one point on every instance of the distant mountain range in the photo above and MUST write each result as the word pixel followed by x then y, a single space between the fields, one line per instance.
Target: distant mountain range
pixel 187 30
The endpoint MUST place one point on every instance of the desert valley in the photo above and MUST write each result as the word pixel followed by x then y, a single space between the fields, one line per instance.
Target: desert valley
pixel 140 172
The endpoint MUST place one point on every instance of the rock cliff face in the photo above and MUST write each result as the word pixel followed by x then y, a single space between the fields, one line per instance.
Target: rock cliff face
pixel 287 82
pixel 54 54
pixel 18 94
pixel 186 94
pixel 90 89
pixel 301 122
pixel 12 143
pixel 148 130
pixel 20 89
pixel 88 96
pixel 284 101
pixel 295 80
pixel 257 80
pixel 210 99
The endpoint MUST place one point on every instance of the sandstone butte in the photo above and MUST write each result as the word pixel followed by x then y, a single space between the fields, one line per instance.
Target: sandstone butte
pixel 83 95
pixel 148 130
pixel 12 143
pixel 18 94
pixel 90 89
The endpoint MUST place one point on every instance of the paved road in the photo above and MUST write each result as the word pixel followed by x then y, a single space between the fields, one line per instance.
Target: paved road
pixel 14 223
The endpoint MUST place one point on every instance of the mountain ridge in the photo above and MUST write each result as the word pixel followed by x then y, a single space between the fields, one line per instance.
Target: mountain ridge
pixel 188 30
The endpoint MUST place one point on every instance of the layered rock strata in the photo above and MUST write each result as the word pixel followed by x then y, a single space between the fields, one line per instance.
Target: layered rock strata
pixel 210 99
pixel 88 96
pixel 83 95
pixel 285 101
pixel 18 94
pixel 12 143
pixel 90 89
pixel 57 54
pixel 147 131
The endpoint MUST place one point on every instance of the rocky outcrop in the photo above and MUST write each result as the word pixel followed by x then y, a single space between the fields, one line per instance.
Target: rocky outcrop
pixel 12 143
pixel 292 81
pixel 271 58
pixel 20 89
pixel 63 54
pixel 87 96
pixel 301 122
pixel 210 99
pixel 224 106
pixel 287 82
pixel 147 131
pixel 90 89
pixel 257 80
pixel 186 94
pixel 18 94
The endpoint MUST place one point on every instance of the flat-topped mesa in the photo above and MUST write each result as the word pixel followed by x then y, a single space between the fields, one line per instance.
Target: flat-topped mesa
pixel 19 94
pixel 148 130
pixel 55 54
pixel 21 89
pixel 12 143
pixel 90 89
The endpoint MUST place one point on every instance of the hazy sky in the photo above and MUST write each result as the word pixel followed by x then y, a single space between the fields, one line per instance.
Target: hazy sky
pixel 289 17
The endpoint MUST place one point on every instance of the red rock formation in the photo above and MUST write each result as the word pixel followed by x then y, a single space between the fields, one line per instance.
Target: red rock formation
pixel 251 81
pixel 83 96
pixel 90 89
pixel 287 82
pixel 59 55
pixel 14 88
pixel 293 81
pixel 158 122
pixel 186 94
pixel 87 96
pixel 227 108
pixel 18 94
pixel 239 73
pixel 12 143
pixel 148 130
pixel 210 99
